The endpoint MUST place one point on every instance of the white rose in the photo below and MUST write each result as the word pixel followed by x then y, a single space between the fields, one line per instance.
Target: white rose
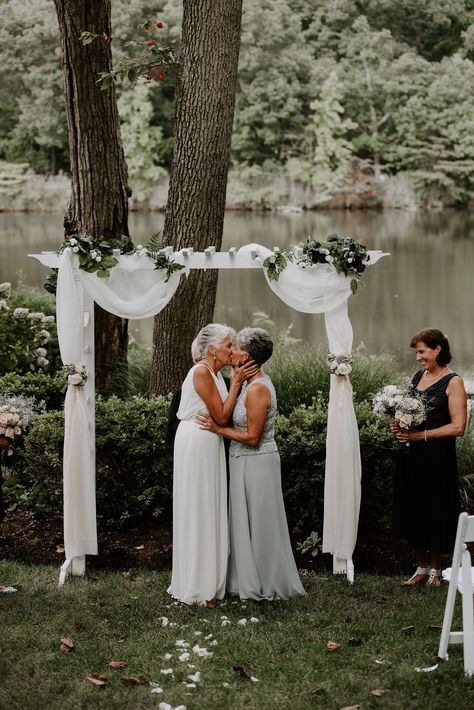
pixel 75 379
pixel 93 253
pixel 72 241
pixel 343 368
pixel 75 249
pixel 98 258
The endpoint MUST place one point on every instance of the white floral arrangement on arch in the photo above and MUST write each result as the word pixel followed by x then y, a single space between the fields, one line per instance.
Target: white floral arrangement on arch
pixel 76 375
pixel 402 403
pixel 340 365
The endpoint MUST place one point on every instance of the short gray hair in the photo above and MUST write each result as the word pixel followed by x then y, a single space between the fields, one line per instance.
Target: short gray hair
pixel 211 334
pixel 257 343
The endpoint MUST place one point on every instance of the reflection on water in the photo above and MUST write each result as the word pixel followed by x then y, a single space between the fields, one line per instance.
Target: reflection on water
pixel 427 280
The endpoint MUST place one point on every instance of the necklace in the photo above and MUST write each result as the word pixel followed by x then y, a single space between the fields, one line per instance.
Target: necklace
pixel 432 379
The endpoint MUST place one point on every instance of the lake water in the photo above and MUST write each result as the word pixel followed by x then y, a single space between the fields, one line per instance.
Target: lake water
pixel 427 280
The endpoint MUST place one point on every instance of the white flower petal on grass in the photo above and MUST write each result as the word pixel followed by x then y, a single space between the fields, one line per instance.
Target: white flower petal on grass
pixel 196 678
pixel 254 620
pixel 182 643
pixel 224 617
pixel 156 688
pixel 242 622
pixel 226 685
pixel 209 636
pixel 213 643
pixel 206 621
pixel 172 623
pixel 165 706
pixel 167 656
pixel 428 669
pixel 198 633
pixel 184 656
pixel 192 666
pixel 164 621
pixel 167 671
pixel 190 685
pixel 244 606
pixel 203 652
pixel 253 679
pixel 226 622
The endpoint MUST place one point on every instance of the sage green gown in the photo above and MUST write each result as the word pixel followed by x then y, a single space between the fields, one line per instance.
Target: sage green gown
pixel 261 563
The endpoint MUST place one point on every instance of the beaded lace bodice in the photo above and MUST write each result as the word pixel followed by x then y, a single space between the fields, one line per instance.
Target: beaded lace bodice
pixel 267 443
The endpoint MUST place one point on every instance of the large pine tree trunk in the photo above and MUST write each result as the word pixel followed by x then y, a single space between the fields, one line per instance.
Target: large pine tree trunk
pixel 99 194
pixel 205 99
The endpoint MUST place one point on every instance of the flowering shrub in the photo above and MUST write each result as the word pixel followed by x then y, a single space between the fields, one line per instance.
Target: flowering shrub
pixel 16 414
pixel 29 341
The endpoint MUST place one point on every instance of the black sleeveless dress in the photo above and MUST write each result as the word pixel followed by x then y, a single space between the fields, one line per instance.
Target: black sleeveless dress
pixel 426 488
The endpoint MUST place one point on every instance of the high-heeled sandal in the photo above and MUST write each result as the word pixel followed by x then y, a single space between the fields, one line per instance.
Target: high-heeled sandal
pixel 434 579
pixel 422 572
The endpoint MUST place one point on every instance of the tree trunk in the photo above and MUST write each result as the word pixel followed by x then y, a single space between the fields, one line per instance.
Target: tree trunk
pixel 204 111
pixel 99 193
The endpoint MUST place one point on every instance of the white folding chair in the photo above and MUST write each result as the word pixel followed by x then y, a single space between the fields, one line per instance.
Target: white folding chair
pixel 460 578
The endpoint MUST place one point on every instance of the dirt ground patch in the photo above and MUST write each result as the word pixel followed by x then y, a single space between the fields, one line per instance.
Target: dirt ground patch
pixel 31 539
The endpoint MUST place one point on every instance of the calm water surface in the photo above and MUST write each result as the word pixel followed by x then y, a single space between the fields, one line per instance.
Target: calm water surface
pixel 427 280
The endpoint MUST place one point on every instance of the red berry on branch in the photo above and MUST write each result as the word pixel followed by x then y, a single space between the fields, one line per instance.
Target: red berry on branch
pixel 159 25
pixel 161 77
pixel 149 78
pixel 151 42
pixel 107 40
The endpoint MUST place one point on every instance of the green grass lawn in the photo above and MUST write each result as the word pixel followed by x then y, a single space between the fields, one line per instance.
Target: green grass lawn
pixel 119 617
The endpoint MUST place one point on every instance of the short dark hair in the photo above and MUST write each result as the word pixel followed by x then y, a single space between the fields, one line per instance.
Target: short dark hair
pixel 432 338
pixel 257 343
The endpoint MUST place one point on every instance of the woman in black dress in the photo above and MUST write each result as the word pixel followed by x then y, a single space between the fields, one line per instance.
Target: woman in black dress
pixel 426 492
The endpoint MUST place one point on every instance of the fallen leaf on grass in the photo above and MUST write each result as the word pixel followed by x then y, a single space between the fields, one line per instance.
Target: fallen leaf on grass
pixel 241 672
pixel 134 680
pixel 333 646
pixel 434 627
pixel 97 679
pixel 378 692
pixel 316 690
pixel 66 645
pixel 117 664
pixel 76 626
pixel 354 642
pixel 408 629
pixel 60 549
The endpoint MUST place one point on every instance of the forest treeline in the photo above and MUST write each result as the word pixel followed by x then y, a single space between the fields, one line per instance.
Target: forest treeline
pixel 369 96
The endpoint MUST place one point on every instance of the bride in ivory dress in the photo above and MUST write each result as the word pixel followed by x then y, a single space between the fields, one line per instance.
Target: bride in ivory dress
pixel 200 528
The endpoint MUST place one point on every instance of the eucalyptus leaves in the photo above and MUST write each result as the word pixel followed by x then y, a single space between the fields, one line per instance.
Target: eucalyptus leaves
pixel 346 254
pixel 96 254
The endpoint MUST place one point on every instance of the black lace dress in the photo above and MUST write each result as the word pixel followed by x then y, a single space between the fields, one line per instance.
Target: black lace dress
pixel 426 487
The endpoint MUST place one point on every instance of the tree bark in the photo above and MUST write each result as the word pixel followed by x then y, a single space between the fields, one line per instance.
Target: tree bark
pixel 204 111
pixel 98 203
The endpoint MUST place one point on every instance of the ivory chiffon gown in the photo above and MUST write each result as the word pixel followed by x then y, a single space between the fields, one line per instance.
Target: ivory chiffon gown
pixel 200 528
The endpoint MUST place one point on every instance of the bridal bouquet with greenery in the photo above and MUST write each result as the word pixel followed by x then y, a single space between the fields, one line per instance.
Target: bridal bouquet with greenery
pixel 401 403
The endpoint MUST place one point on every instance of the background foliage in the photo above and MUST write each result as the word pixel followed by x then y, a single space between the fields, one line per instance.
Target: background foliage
pixel 321 85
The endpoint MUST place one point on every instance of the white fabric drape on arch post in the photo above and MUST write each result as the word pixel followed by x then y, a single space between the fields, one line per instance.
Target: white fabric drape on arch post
pixel 136 290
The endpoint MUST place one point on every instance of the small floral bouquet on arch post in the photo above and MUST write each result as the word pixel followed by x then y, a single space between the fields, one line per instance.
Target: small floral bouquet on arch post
pixel 76 375
pixel 340 365
pixel 403 404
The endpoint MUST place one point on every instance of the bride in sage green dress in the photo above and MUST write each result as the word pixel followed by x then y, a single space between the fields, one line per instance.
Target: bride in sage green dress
pixel 261 562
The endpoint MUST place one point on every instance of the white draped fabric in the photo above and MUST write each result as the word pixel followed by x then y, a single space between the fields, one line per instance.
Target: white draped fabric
pixel 133 290
pixel 319 289
pixel 136 290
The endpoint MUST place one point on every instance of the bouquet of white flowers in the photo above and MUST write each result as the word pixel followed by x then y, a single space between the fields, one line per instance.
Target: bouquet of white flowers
pixel 16 413
pixel 403 404
pixel 340 365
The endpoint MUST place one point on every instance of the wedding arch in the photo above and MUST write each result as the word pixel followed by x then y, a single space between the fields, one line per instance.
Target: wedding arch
pixel 135 289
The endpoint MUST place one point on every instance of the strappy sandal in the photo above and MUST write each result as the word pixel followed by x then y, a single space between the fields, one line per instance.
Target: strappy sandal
pixel 434 579
pixel 422 575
